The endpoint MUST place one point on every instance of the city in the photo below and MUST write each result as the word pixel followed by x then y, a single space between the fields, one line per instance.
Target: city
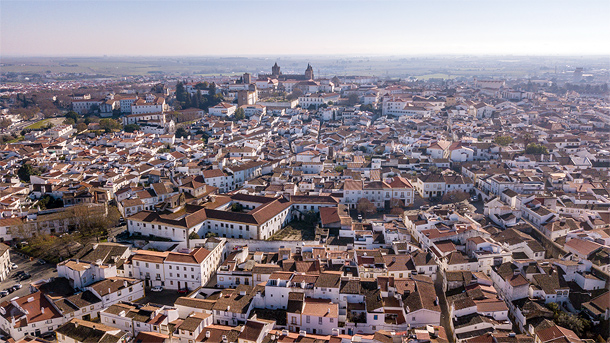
pixel 304 199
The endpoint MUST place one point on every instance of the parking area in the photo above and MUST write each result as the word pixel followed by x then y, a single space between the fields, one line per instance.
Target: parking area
pixel 37 272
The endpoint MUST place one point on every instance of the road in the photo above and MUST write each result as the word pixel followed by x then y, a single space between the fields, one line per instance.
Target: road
pixel 165 297
pixel 24 264
pixel 442 300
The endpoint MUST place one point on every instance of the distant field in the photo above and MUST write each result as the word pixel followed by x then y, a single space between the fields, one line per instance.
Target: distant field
pixel 324 66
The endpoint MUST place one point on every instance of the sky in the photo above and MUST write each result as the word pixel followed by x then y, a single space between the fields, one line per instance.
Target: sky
pixel 294 27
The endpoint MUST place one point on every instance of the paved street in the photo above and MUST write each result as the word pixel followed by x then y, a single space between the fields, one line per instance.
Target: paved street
pixel 165 297
pixel 442 300
pixel 24 264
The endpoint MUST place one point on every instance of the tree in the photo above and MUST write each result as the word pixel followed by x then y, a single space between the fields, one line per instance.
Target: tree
pixel 25 171
pixel 109 125
pixel 239 114
pixel 368 108
pixel 131 128
pixel 180 92
pixel 296 93
pixel 353 99
pixel 5 123
pixel 365 206
pixel 182 133
pixel 194 235
pixel 73 115
pixel 396 206
pixel 80 127
pixel 454 196
pixel 536 149
pixel 339 169
pixel 503 140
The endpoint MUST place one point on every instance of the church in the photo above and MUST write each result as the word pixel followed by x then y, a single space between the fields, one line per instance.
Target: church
pixel 276 73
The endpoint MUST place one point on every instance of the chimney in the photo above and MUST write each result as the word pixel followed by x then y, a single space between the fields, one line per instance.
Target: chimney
pixel 42 310
pixel 207 334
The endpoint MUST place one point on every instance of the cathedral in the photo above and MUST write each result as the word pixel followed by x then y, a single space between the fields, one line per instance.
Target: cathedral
pixel 276 73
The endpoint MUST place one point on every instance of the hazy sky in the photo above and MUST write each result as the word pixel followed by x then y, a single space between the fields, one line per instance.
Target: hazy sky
pixel 401 27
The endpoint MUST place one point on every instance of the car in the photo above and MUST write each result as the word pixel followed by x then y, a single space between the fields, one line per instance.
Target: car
pixel 18 274
pixel 183 291
pixel 10 290
pixel 156 289
pixel 41 262
pixel 360 217
pixel 25 276
pixel 4 293
pixel 48 335
pixel 17 286
pixel 474 198
pixel 14 266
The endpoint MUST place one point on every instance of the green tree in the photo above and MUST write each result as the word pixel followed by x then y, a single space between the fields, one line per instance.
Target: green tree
pixel 194 235
pixel 339 169
pixel 353 99
pixel 80 127
pixel 25 171
pixel 536 149
pixel 182 133
pixel 131 128
pixel 180 92
pixel 239 114
pixel 109 125
pixel 503 140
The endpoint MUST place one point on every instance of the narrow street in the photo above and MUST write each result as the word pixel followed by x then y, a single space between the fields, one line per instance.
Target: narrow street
pixel 442 300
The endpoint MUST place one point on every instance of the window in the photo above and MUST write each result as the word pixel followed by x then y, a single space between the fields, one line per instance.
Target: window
pixel 308 319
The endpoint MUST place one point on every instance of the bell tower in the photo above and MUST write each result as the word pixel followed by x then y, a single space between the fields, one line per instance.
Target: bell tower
pixel 275 70
pixel 309 72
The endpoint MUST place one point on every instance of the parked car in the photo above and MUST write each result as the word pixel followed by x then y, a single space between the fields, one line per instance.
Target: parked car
pixel 48 335
pixel 41 262
pixel 474 198
pixel 183 291
pixel 156 289
pixel 14 266
pixel 18 274
pixel 25 276
pixel 17 286
pixel 10 290
pixel 4 293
